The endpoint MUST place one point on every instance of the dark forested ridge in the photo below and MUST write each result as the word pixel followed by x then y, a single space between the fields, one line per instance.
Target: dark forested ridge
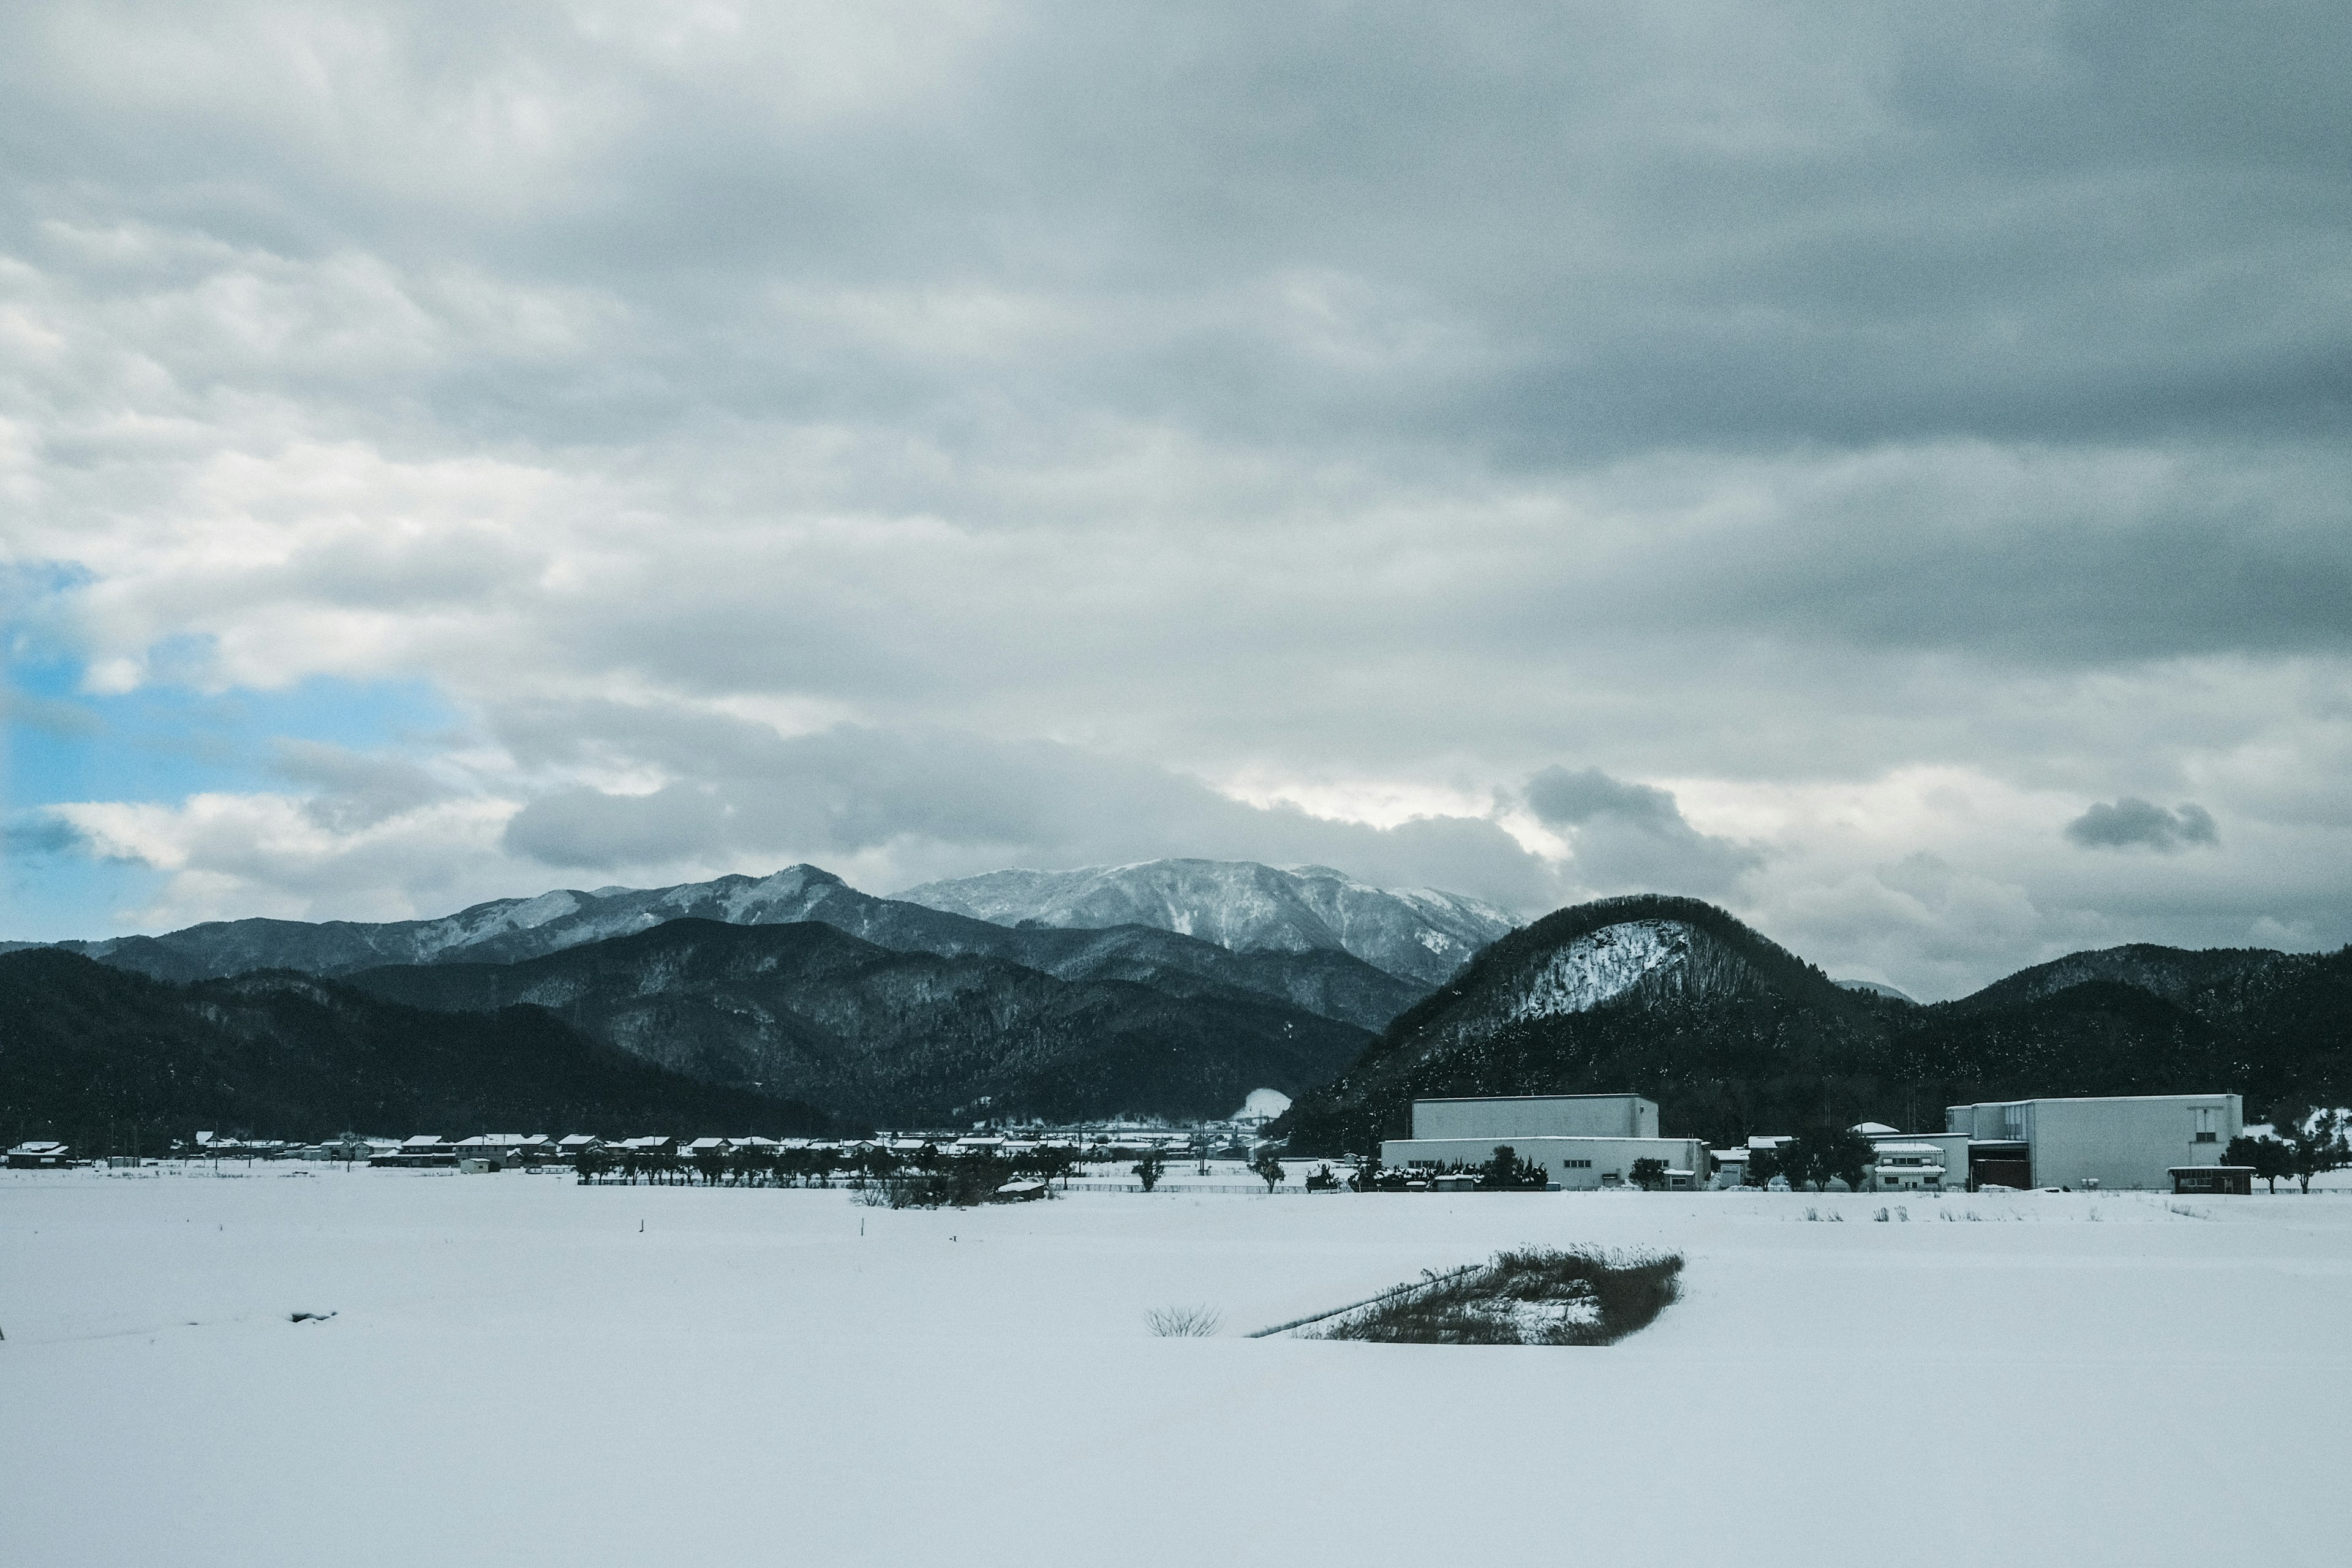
pixel 915 1038
pixel 689 1020
pixel 100 1057
pixel 1733 1034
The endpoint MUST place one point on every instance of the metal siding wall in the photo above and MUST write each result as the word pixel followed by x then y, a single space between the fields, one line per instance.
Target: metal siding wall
pixel 1599 1116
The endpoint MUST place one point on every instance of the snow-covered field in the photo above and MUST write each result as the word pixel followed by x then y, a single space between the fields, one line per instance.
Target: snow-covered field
pixel 523 1370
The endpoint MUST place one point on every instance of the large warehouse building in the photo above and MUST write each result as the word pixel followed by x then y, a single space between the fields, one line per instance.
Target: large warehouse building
pixel 2127 1140
pixel 1582 1140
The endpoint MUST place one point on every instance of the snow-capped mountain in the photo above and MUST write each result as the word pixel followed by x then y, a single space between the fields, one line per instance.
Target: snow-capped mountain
pixel 1417 932
pixel 1326 981
pixel 500 931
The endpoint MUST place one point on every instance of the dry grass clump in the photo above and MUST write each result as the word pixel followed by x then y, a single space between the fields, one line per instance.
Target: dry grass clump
pixel 1184 1322
pixel 1537 1296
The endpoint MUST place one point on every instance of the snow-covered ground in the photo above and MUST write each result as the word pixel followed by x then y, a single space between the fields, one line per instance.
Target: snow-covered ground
pixel 523 1370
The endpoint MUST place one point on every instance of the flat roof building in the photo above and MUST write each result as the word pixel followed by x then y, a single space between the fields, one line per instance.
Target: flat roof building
pixel 1584 1141
pixel 2133 1141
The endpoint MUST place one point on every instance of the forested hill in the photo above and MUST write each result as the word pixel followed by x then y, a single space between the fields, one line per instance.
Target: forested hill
pixel 98 1056
pixel 1733 1034
pixel 909 1038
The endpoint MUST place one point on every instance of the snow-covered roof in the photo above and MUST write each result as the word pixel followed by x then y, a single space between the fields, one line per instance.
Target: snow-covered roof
pixel 1910 1148
pixel 1873 1129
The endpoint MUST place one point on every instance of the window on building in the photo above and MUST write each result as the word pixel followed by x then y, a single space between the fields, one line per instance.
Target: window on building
pixel 2207 1124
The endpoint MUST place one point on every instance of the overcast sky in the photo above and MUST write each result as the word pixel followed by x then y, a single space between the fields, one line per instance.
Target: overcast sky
pixel 1883 469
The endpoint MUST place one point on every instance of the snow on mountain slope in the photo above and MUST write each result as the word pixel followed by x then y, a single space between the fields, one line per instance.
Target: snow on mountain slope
pixel 1418 933
pixel 1324 981
pixel 1600 964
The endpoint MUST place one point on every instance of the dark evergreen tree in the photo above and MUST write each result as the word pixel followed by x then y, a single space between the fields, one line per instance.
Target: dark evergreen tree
pixel 2270 1158
pixel 1820 1155
pixel 2317 1144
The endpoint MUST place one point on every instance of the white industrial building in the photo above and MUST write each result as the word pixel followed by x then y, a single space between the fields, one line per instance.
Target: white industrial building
pixel 1584 1141
pixel 2125 1141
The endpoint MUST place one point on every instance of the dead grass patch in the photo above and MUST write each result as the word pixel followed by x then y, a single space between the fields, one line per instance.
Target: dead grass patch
pixel 1537 1296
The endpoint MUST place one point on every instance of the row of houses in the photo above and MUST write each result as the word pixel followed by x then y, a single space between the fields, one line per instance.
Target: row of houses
pixel 501 1151
pixel 1591 1142
pixel 504 1151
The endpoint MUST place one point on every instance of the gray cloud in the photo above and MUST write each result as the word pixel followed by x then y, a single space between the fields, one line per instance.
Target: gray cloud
pixel 917 805
pixel 2131 821
pixel 926 437
pixel 1633 836
pixel 355 791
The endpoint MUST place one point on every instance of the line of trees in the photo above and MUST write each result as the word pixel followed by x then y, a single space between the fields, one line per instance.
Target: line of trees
pixel 754 1166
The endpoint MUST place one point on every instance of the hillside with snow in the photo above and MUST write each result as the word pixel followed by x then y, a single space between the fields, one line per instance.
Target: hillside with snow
pixel 1678 1000
pixel 1417 932
pixel 1323 980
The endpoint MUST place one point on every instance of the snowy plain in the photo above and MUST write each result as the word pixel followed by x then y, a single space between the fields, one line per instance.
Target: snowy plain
pixel 525 1371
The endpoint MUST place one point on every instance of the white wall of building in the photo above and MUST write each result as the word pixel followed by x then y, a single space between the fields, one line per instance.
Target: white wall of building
pixel 2125 1140
pixel 1508 1121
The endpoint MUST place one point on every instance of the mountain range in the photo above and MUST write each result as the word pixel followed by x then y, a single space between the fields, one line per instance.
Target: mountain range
pixel 1302 965
pixel 994 996
pixel 1733 1034
pixel 796 985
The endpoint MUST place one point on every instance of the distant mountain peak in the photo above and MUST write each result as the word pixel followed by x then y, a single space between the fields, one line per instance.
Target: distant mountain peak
pixel 1876 988
pixel 1421 933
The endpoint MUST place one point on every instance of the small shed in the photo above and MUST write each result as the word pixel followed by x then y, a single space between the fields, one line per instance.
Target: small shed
pixel 39 1154
pixel 2214 1180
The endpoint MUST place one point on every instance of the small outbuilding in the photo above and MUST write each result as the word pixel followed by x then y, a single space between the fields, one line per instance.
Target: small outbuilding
pixel 39 1155
pixel 2214 1180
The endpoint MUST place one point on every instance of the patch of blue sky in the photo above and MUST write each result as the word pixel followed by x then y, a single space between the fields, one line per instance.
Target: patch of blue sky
pixel 49 892
pixel 167 742
pixel 161 743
